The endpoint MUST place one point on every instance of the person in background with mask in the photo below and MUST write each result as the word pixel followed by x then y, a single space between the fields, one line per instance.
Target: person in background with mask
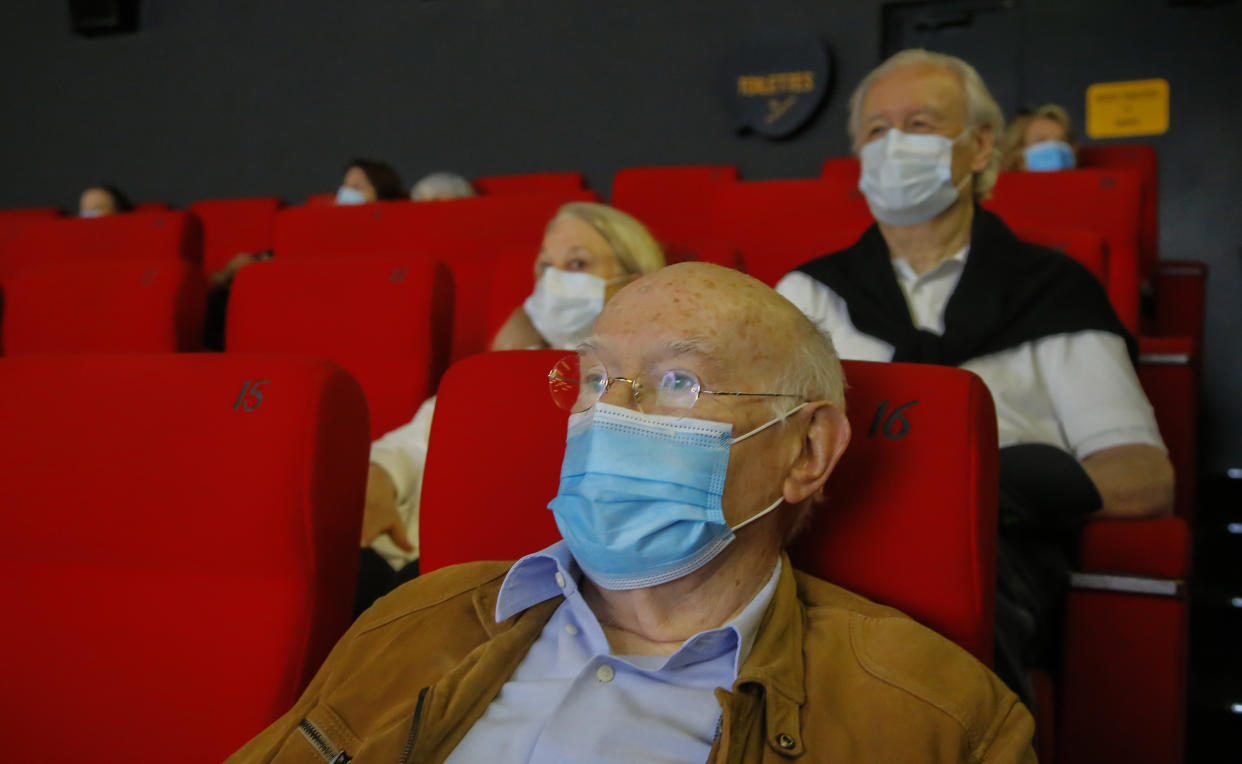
pixel 103 200
pixel 668 624
pixel 589 251
pixel 1039 140
pixel 369 180
pixel 441 186
pixel 937 279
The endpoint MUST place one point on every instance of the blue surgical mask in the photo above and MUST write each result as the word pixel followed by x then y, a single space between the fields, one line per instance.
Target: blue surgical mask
pixel 640 496
pixel 347 195
pixel 90 214
pixel 908 177
pixel 1049 155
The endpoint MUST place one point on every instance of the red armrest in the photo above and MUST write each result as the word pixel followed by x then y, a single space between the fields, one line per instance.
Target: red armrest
pixel 1157 548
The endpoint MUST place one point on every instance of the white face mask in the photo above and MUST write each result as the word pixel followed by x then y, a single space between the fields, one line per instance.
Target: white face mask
pixel 908 177
pixel 564 306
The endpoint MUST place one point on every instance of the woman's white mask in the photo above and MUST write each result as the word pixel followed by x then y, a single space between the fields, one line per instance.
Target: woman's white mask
pixel 564 306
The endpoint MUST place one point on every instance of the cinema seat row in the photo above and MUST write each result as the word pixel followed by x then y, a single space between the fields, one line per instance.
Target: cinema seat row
pixel 212 591
pixel 393 292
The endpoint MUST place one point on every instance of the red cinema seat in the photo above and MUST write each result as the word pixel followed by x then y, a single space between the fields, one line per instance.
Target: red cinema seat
pixel 1123 675
pixel 842 170
pixel 387 320
pixel 146 236
pixel 444 229
pixel 531 183
pixel 781 224
pixel 706 251
pixel 105 307
pixel 152 207
pixel 233 226
pixel 178 541
pixel 673 202
pixel 1087 247
pixel 1104 201
pixel 910 519
pixel 1140 158
pixel 491 289
pixel 30 213
pixel 321 199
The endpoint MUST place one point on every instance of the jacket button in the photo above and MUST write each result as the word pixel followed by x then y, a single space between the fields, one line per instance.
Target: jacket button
pixel 785 741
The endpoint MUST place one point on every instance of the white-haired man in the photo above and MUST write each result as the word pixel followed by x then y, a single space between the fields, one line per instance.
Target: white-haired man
pixel 939 280
pixel 669 625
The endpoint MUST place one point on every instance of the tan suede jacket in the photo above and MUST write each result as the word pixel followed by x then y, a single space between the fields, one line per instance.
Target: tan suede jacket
pixel 832 677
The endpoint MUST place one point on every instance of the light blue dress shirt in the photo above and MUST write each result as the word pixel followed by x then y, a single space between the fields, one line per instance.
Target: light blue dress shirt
pixel 571 699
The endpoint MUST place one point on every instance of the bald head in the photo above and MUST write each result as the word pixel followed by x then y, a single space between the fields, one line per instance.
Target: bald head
pixel 755 336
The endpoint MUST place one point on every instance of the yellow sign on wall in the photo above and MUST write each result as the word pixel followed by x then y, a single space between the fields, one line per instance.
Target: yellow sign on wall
pixel 1120 109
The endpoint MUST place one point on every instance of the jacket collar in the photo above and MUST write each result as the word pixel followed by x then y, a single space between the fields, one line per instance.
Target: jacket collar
pixel 776 664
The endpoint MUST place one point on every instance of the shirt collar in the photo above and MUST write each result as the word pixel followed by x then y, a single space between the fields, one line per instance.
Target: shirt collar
pixel 545 574
pixel 951 264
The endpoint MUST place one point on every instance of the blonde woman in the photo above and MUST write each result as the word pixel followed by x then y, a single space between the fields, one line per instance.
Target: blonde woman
pixel 589 251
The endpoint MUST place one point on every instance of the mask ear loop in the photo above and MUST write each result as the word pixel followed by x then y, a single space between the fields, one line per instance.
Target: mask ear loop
pixel 756 431
pixel 767 424
pixel 770 507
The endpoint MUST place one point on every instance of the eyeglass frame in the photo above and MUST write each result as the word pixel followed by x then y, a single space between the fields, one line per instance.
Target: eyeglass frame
pixel 636 386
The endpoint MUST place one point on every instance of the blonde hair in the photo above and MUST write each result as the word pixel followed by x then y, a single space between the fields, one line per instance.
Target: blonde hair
pixel 636 250
pixel 1014 140
pixel 981 107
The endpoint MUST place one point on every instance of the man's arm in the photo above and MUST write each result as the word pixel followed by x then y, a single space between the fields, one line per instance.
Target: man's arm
pixel 1108 422
pixel 1134 480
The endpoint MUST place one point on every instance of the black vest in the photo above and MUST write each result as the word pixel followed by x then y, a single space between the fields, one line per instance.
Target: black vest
pixel 1010 292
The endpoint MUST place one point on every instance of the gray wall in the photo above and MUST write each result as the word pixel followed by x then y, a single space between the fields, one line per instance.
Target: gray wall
pixel 241 97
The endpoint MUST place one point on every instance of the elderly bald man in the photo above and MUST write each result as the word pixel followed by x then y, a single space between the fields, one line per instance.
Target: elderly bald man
pixel 940 280
pixel 668 625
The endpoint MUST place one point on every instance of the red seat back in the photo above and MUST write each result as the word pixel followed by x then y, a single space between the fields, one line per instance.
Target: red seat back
pixel 531 183
pixel 148 236
pixel 673 202
pixel 196 567
pixel 444 229
pixel 1104 201
pixel 152 207
pixel 1140 158
pixel 30 213
pixel 387 320
pixel 842 170
pixel 911 517
pixel 233 226
pixel 1087 247
pixel 105 307
pixel 781 224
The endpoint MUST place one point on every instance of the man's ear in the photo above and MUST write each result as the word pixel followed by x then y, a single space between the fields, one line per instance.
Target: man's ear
pixel 985 141
pixel 827 434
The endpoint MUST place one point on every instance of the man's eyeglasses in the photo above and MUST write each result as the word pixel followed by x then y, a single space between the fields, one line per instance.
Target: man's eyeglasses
pixel 668 391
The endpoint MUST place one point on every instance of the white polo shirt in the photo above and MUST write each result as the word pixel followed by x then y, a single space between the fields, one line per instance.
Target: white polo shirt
pixel 1076 391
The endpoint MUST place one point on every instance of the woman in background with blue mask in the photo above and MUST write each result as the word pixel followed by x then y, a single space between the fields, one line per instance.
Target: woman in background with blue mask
pixel 589 251
pixel 1039 140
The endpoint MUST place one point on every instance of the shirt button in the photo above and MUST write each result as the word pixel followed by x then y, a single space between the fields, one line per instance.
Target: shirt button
pixel 560 579
pixel 573 630
pixel 604 673
pixel 785 741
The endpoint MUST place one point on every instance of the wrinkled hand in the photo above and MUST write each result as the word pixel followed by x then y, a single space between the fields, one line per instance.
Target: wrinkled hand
pixel 380 515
